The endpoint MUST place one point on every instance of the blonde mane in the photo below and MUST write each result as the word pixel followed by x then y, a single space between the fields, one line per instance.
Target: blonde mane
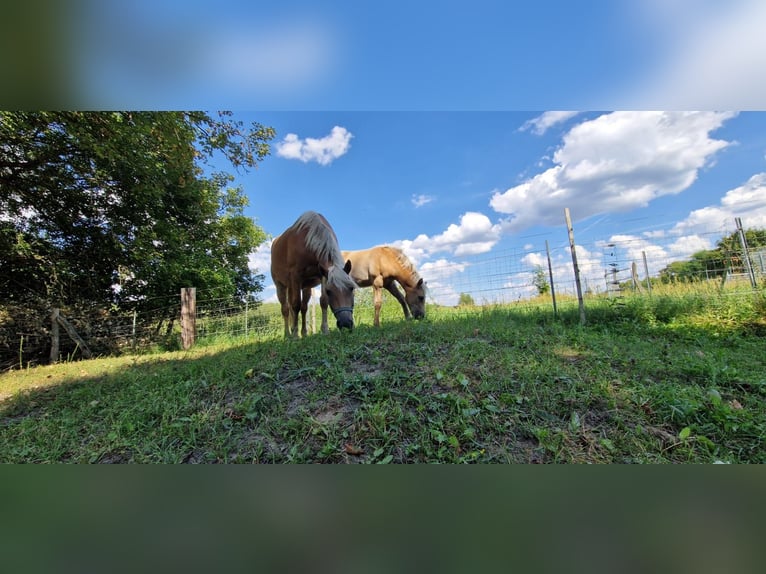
pixel 405 262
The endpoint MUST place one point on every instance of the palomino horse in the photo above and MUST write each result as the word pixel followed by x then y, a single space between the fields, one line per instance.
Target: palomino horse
pixel 304 256
pixel 382 265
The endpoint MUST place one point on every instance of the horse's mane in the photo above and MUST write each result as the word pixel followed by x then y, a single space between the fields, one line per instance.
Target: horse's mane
pixel 320 238
pixel 338 278
pixel 404 261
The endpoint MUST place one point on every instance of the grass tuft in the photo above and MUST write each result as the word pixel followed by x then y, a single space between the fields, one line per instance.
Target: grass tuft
pixel 672 378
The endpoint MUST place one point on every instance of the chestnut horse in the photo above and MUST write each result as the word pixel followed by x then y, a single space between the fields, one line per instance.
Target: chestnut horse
pixel 304 256
pixel 380 267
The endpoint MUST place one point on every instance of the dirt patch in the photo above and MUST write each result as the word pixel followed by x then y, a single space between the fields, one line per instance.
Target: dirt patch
pixel 366 370
pixel 336 410
pixel 517 450
pixel 570 355
pixel 119 456
pixel 296 392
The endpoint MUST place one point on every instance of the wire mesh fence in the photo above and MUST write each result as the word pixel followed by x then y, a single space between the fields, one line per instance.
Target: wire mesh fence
pixel 622 264
pixel 611 267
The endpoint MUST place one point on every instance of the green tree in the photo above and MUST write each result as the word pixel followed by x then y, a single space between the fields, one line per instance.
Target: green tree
pixel 541 281
pixel 465 299
pixel 93 199
pixel 712 263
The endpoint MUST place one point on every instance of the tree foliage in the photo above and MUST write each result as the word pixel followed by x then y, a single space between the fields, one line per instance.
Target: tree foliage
pixel 541 281
pixel 465 300
pixel 716 262
pixel 90 200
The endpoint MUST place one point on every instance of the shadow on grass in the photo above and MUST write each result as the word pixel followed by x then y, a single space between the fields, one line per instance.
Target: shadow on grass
pixel 496 385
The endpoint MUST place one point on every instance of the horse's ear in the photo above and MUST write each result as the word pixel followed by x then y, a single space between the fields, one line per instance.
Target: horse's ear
pixel 347 266
pixel 420 283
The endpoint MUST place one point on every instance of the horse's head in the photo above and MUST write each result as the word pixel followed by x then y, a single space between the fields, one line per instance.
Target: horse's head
pixel 416 299
pixel 339 289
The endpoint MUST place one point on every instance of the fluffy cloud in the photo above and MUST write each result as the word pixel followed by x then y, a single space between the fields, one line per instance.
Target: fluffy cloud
pixel 323 150
pixel 747 201
pixel 473 235
pixel 259 261
pixel 439 277
pixel 614 163
pixel 542 123
pixel 534 260
pixel 696 232
pixel 441 269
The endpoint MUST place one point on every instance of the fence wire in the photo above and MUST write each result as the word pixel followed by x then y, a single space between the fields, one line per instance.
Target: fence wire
pixel 626 263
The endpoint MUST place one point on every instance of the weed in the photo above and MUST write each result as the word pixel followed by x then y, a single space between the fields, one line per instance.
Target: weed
pixel 675 378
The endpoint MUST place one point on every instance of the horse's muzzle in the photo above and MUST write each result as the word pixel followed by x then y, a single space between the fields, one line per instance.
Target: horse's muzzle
pixel 344 317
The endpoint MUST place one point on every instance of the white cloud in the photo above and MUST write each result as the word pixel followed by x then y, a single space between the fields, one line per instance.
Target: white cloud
pixel 590 264
pixel 614 163
pixel 442 294
pixel 439 277
pixel 699 231
pixel 710 55
pixel 421 200
pixel 688 245
pixel 415 254
pixel 260 259
pixel 473 235
pixel 534 260
pixel 441 269
pixel 747 201
pixel 631 248
pixel 323 150
pixel 542 123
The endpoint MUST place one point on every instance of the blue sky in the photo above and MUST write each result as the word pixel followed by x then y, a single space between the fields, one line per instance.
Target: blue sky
pixel 404 55
pixel 456 188
pixel 432 126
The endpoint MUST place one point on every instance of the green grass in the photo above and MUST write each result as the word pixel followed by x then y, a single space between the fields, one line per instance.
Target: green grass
pixel 672 378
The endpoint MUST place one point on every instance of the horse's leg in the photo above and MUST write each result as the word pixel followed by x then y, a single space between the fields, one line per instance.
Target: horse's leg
pixel 294 296
pixel 377 297
pixel 285 307
pixel 323 305
pixel 304 307
pixel 394 290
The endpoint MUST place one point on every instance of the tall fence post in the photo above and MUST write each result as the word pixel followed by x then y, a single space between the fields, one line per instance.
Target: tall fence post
pixel 133 332
pixel 188 316
pixel 550 274
pixel 247 300
pixel 646 272
pixel 55 338
pixel 580 301
pixel 746 253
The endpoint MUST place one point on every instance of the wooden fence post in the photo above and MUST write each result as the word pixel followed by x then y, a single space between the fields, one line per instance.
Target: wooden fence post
pixel 188 316
pixel 576 267
pixel 646 272
pixel 746 253
pixel 74 336
pixel 133 332
pixel 550 274
pixel 55 336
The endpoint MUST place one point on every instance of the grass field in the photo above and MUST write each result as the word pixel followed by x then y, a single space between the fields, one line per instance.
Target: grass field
pixel 678 377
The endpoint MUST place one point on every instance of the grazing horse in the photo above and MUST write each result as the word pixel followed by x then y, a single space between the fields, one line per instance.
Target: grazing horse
pixel 379 267
pixel 304 256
